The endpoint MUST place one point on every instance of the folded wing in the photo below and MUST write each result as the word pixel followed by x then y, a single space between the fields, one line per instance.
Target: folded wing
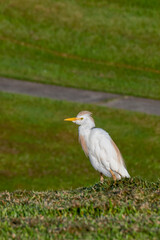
pixel 104 148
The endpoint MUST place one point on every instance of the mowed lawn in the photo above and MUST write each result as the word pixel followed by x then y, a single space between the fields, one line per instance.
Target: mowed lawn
pixel 129 209
pixel 101 45
pixel 39 151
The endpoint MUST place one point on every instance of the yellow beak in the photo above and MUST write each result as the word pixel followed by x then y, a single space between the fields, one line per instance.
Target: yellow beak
pixel 71 119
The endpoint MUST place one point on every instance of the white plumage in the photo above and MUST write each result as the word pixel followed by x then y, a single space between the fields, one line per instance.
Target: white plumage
pixel 103 153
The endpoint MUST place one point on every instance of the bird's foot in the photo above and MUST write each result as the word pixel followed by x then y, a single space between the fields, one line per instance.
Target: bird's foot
pixel 101 178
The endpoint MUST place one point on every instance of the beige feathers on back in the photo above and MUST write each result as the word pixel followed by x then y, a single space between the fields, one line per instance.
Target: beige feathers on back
pixel 119 156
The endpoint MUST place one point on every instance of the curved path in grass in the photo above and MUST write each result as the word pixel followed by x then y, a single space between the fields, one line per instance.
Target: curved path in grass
pixel 137 104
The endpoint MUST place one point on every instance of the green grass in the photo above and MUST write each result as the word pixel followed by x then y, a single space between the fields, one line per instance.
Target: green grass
pixel 129 209
pixel 39 151
pixel 106 45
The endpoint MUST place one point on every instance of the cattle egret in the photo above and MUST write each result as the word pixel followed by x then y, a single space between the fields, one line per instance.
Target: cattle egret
pixel 97 144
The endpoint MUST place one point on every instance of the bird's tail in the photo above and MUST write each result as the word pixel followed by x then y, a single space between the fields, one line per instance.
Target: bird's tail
pixel 124 173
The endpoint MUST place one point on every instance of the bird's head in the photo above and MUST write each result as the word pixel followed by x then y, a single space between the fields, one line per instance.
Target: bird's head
pixel 83 118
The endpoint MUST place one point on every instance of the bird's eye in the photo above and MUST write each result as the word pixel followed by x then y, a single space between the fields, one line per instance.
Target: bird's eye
pixel 81 118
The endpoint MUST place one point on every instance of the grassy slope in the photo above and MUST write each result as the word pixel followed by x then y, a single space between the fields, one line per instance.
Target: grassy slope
pixel 129 209
pixel 38 150
pixel 48 41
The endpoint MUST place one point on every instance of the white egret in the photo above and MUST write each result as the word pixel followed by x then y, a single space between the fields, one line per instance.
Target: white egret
pixel 97 144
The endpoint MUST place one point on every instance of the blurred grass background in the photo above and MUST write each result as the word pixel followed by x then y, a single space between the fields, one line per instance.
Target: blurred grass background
pixel 38 150
pixel 100 45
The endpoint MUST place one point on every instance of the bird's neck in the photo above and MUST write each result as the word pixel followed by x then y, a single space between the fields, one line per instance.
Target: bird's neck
pixel 85 130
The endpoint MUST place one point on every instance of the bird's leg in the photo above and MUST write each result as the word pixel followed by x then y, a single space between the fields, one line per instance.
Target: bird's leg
pixel 101 178
pixel 113 175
